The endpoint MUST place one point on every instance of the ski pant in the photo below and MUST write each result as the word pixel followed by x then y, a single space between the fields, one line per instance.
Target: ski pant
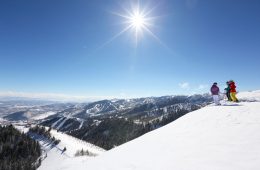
pixel 228 96
pixel 233 96
pixel 216 99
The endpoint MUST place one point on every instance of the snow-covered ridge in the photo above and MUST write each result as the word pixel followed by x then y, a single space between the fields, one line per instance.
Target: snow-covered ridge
pixel 73 144
pixel 43 116
pixel 139 110
pixel 249 96
pixel 213 138
pixel 55 157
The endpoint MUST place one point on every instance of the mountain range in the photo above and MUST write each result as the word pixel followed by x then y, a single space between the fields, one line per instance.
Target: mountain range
pixel 108 123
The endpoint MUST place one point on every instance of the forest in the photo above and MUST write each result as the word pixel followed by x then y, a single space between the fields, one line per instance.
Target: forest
pixel 17 150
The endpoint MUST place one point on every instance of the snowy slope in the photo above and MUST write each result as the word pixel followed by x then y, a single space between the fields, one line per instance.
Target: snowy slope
pixel 249 96
pixel 53 155
pixel 213 138
pixel 73 144
pixel 43 115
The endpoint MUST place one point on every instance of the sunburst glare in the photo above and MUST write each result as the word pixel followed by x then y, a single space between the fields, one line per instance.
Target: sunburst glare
pixel 137 21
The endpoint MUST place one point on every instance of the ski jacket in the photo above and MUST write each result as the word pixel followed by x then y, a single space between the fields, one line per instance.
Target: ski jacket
pixel 227 89
pixel 232 87
pixel 214 90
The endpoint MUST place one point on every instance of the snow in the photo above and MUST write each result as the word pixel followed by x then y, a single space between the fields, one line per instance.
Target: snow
pixel 73 144
pixel 43 116
pixel 53 155
pixel 213 138
pixel 249 96
pixel 94 110
pixel 81 124
pixel 21 127
pixel 56 157
pixel 58 121
pixel 21 106
pixel 62 123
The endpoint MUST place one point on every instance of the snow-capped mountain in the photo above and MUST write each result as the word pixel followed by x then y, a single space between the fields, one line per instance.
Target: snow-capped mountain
pixel 109 123
pixel 212 138
pixel 142 109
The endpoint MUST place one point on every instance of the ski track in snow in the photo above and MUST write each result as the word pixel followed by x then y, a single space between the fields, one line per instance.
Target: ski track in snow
pixel 62 123
pixel 81 124
pixel 55 123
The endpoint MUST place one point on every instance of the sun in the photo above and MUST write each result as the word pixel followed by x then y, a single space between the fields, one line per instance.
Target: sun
pixel 137 21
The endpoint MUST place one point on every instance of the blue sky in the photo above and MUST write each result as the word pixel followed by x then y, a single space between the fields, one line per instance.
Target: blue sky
pixel 60 47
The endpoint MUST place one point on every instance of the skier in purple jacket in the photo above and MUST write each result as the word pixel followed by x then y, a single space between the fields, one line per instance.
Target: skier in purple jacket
pixel 215 93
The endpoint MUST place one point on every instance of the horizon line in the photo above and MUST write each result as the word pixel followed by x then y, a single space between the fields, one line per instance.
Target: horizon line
pixel 60 97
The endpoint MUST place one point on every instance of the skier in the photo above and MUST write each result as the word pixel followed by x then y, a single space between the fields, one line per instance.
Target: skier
pixel 227 91
pixel 215 93
pixel 64 149
pixel 233 91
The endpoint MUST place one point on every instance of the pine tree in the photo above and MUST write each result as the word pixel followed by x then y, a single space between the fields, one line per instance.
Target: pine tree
pixel 17 150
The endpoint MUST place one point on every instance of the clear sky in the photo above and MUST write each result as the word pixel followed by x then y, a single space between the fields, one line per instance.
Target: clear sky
pixel 68 47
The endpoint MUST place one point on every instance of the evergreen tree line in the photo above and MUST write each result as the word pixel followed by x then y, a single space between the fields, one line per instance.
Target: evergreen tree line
pixel 112 132
pixel 84 152
pixel 17 150
pixel 109 133
pixel 166 119
pixel 40 130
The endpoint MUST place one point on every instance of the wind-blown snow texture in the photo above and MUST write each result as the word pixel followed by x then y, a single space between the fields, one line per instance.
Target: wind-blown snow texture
pixel 213 138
